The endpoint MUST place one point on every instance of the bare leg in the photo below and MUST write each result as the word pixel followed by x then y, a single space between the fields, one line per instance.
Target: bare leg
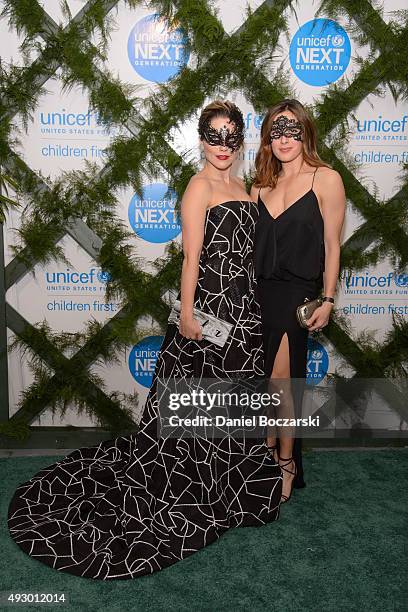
pixel 281 372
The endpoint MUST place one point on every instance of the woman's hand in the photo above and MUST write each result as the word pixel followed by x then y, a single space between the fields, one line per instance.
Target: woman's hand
pixel 190 328
pixel 320 317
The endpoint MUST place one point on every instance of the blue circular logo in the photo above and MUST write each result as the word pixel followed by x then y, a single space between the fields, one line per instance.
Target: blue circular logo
pixel 142 359
pixel 155 52
pixel 153 216
pixel 320 52
pixel 401 279
pixel 317 362
pixel 103 277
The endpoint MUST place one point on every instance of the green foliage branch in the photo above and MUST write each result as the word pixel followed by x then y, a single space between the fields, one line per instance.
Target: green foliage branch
pixel 222 63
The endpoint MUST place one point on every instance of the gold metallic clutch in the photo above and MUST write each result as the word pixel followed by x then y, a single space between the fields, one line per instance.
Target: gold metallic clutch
pixel 305 310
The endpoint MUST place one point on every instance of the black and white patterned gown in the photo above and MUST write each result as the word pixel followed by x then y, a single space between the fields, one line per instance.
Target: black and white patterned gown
pixel 136 504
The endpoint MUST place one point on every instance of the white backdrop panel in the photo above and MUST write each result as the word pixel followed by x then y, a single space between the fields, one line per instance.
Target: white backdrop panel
pixel 143 52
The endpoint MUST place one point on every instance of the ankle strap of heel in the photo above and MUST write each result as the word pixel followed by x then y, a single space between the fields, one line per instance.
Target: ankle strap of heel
pixel 288 461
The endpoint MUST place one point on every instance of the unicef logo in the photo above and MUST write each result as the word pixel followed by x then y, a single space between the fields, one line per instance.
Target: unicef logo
pixel 401 280
pixel 153 216
pixel 103 277
pixel 338 41
pixel 317 362
pixel 320 52
pixel 142 359
pixel 155 52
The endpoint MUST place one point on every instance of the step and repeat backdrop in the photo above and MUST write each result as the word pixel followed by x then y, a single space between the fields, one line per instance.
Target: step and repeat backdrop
pixel 64 132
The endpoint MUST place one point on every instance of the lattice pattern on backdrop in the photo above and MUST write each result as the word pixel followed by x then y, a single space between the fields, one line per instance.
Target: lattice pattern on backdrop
pixel 82 205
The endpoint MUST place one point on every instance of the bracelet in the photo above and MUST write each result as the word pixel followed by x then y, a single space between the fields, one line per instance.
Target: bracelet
pixel 328 299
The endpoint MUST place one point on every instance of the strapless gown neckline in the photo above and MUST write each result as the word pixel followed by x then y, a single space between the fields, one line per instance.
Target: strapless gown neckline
pixel 231 202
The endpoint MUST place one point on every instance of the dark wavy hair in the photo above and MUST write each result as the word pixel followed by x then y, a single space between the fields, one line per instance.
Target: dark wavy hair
pixel 267 165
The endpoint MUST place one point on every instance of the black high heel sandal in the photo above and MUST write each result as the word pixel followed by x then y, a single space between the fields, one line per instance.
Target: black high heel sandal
pixel 285 498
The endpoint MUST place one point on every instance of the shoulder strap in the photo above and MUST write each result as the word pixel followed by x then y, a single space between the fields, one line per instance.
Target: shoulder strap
pixel 314 174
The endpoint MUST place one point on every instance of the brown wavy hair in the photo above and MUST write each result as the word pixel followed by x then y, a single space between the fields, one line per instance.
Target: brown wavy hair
pixel 267 165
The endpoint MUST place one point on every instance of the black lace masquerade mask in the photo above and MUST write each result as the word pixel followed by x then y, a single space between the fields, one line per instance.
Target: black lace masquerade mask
pixel 222 136
pixel 290 128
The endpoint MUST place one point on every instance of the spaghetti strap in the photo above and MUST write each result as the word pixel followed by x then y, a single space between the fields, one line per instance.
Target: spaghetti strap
pixel 314 173
pixel 289 271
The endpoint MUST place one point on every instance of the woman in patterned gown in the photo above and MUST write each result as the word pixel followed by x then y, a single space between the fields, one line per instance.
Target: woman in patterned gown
pixel 136 504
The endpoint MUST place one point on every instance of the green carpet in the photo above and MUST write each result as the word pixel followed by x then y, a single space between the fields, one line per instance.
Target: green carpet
pixel 339 544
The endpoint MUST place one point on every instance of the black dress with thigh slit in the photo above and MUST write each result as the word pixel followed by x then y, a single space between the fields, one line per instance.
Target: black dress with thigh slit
pixel 289 265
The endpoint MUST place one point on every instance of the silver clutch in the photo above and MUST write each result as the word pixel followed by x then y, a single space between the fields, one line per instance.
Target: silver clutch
pixel 214 330
pixel 305 310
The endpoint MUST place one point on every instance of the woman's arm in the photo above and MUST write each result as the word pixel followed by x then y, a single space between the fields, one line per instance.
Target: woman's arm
pixel 333 202
pixel 193 210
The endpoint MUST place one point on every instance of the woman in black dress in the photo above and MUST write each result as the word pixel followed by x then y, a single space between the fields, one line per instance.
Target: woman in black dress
pixel 136 504
pixel 297 253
